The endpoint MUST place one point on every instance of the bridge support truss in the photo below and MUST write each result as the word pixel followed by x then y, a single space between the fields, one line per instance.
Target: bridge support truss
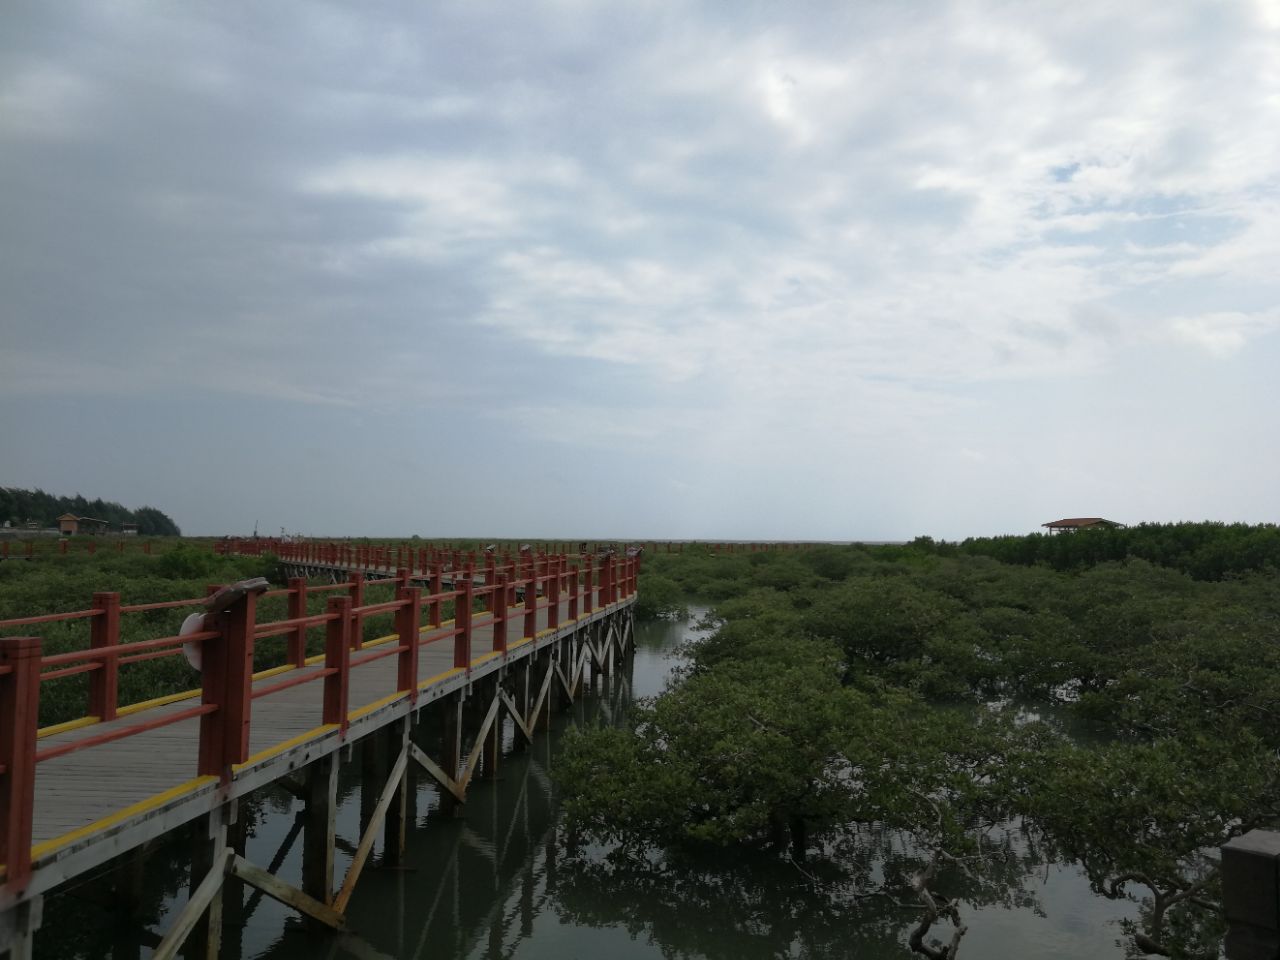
pixel 454 739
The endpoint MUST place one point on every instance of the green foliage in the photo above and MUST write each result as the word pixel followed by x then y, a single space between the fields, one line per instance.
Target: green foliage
pixel 1205 551
pixel 725 757
pixel 18 506
pixel 659 597
pixel 853 688
pixel 57 584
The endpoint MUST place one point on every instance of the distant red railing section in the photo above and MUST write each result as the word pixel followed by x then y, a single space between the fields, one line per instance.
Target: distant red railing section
pixel 228 639
pixel 392 556
pixel 28 547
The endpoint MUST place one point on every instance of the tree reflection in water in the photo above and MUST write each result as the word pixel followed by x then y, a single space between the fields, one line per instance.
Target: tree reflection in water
pixel 853 898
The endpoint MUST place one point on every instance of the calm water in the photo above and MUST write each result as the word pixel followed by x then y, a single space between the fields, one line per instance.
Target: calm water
pixel 493 883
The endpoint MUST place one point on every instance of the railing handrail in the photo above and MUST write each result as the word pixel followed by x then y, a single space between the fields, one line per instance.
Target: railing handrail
pixel 227 640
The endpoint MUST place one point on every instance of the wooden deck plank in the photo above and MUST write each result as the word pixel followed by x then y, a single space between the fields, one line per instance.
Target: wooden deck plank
pixel 81 788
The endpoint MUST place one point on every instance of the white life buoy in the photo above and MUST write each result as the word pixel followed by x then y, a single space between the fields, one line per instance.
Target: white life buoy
pixel 193 624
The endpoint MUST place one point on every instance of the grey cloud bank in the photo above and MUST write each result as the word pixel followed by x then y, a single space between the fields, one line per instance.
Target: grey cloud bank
pixel 742 271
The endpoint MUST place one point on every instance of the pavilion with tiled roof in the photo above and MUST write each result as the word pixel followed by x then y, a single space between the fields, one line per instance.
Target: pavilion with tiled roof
pixel 1071 524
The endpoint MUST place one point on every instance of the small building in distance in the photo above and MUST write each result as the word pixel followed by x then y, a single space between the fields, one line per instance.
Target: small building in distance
pixel 69 525
pixel 1072 524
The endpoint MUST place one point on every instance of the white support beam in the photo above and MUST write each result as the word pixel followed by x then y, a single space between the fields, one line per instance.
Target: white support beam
pixel 474 759
pixel 196 906
pixel 289 895
pixel 458 791
pixel 370 834
pixel 515 715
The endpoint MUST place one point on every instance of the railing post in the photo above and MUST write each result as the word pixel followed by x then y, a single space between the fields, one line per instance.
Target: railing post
pixel 337 658
pixel 297 610
pixel 490 578
pixel 433 606
pixel 531 604
pixel 553 595
pixel 462 623
pixel 104 631
pixel 587 593
pixel 212 693
pixel 19 711
pixel 240 641
pixel 408 618
pixel 573 593
pixel 498 604
pixel 227 672
pixel 357 600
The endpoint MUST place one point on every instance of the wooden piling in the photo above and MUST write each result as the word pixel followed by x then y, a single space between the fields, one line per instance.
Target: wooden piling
pixel 319 828
pixel 450 749
pixel 396 826
pixel 492 745
pixel 208 858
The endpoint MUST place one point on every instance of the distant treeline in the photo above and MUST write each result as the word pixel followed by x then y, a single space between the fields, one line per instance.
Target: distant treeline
pixel 1205 551
pixel 19 506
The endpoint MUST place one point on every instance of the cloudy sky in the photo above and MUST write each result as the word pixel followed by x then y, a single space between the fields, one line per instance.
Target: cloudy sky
pixel 848 270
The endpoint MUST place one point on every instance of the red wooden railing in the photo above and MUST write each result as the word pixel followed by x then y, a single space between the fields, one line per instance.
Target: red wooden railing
pixel 391 556
pixel 27 547
pixel 227 644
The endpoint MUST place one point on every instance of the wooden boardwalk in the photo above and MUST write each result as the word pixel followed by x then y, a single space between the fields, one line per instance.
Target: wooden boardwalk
pixel 95 803
pixel 76 791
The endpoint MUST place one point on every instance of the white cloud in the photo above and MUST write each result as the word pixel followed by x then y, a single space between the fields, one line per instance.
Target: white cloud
pixel 1224 334
pixel 828 233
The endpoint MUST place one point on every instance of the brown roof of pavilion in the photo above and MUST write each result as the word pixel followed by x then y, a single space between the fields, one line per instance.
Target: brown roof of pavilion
pixel 1080 522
